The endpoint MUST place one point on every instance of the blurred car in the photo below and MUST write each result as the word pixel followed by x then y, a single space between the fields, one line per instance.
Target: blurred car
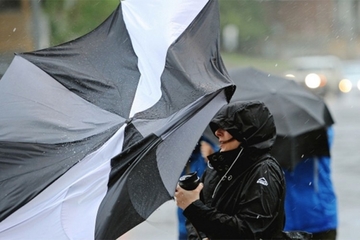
pixel 320 74
pixel 351 83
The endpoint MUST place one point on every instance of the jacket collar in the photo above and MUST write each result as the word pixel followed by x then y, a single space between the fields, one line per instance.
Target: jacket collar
pixel 221 161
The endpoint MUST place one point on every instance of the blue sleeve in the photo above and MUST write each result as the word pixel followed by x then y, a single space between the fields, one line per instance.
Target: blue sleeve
pixel 330 133
pixel 213 145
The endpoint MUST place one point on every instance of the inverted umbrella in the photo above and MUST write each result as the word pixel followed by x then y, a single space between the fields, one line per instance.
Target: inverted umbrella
pixel 301 118
pixel 94 133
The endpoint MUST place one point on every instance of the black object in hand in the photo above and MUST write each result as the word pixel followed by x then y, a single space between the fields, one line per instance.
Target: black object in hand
pixel 189 181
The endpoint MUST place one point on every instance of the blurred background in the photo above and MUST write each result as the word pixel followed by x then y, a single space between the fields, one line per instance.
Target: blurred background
pixel 314 42
pixel 269 35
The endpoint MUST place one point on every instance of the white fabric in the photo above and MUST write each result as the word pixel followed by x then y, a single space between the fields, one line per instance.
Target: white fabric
pixel 67 209
pixel 153 26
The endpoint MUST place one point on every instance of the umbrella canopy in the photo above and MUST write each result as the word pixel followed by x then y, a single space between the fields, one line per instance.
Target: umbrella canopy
pixel 94 133
pixel 301 118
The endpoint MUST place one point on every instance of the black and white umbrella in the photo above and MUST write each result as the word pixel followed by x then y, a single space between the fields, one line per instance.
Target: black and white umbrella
pixel 95 132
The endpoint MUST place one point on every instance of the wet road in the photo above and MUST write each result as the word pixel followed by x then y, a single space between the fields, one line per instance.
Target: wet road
pixel 346 174
pixel 346 162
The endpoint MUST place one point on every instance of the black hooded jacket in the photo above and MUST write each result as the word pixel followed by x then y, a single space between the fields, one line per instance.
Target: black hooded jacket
pixel 242 199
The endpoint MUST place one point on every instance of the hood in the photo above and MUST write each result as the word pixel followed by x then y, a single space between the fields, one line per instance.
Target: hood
pixel 251 123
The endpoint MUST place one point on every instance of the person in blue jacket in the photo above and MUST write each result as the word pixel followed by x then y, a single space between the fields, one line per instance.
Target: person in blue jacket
pixel 197 163
pixel 310 202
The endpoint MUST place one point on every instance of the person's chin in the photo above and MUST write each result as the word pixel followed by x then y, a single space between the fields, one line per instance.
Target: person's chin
pixel 224 149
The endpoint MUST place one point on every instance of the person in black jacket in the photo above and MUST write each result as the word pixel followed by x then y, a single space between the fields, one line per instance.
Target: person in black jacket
pixel 242 191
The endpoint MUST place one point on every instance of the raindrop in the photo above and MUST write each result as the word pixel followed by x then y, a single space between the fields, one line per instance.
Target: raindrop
pixel 276 64
pixel 310 183
pixel 14 29
pixel 258 217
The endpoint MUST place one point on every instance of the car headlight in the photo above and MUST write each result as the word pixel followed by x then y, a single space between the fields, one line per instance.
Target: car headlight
pixel 313 80
pixel 345 85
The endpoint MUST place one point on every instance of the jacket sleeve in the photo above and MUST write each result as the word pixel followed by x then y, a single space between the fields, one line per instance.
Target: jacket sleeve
pixel 257 207
pixel 211 222
pixel 192 233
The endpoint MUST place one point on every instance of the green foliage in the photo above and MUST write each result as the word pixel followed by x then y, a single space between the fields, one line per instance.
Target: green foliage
pixel 70 19
pixel 248 16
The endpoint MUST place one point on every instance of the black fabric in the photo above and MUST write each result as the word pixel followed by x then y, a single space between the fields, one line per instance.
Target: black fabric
pixel 100 67
pixel 298 235
pixel 288 152
pixel 221 161
pixel 49 161
pixel 250 123
pixel 131 173
pixel 241 208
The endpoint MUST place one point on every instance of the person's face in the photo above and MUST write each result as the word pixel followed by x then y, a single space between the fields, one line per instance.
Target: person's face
pixel 226 140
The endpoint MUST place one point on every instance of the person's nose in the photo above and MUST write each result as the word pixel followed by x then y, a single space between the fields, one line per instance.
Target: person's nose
pixel 219 132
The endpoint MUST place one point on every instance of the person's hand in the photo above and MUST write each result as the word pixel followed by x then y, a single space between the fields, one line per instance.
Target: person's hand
pixel 184 198
pixel 206 149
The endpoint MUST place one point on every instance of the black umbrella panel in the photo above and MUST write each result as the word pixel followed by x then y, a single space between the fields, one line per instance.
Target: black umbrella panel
pixel 301 118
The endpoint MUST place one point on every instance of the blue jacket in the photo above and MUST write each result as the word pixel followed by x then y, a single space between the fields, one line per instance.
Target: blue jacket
pixel 310 202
